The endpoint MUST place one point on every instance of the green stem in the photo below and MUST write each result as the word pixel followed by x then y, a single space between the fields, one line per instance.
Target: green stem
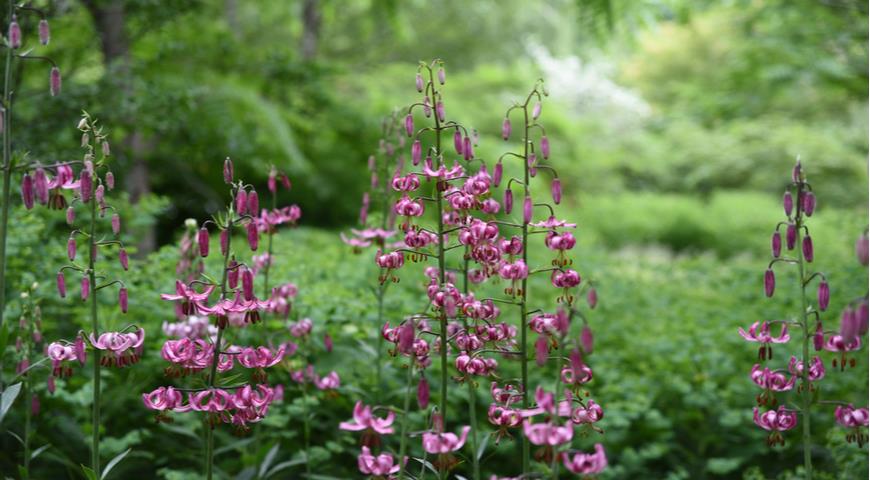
pixel 95 328
pixel 266 292
pixel 212 378
pixel 378 360
pixel 524 346
pixel 403 440
pixel 307 431
pixel 25 474
pixel 806 396
pixel 7 175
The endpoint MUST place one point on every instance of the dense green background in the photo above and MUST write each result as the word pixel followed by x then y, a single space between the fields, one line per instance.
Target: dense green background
pixel 674 125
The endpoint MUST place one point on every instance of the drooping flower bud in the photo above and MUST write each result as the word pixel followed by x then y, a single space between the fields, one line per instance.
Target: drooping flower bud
pixel 769 282
pixel 862 248
pixel 497 172
pixel 272 182
pixel 123 299
pixel 224 239
pixel 27 191
pixel 416 152
pixel 467 150
pixel 116 224
pixel 14 33
pixel 70 215
pixel 427 107
pixel 241 202
pixel 61 284
pixel 790 236
pixel 457 142
pixel 787 203
pixel 85 186
pixel 110 180
pixel 809 203
pixel 86 287
pixel 861 314
pixel 824 295
pixel 253 236
pixel 285 181
pixel 233 273
pixel 592 298
pixel 71 248
pixel 536 111
pixel 327 343
pixel 423 393
pixel 104 146
pixel 100 194
pixel 848 325
pixel 409 125
pixel 776 244
pixel 124 259
pixel 807 247
pixel 542 348
pixel 576 362
pixel 54 81
pixel 202 240
pixel 797 172
pixel 556 188
pixel 418 81
pixel 545 147
pixel 44 32
pixel 406 337
pixel 439 110
pixel 508 201
pixel 506 128
pixel 586 339
pixel 248 284
pixel 819 337
pixel 441 76
pixel 40 186
pixel 228 171
pixel 253 203
pixel 527 209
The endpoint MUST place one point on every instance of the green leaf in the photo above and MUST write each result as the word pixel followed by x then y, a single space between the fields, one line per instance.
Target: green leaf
pixel 7 397
pixel 284 466
pixel 233 446
pixel 113 462
pixel 39 450
pixel 267 461
pixel 89 474
pixel 482 447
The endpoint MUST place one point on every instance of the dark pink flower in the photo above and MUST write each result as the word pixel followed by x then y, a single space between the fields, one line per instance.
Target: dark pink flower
pixel 363 419
pixel 586 463
pixel 850 417
pixel 817 368
pixel 382 466
pixel 440 443
pixel 778 420
pixel 771 379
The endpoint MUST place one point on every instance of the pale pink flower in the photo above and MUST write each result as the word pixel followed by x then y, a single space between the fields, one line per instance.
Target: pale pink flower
pixel 380 466
pixel 440 443
pixel 364 419
pixel 586 463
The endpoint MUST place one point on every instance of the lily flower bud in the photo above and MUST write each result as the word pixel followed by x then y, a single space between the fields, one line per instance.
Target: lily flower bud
pixel 441 76
pixel 116 224
pixel 70 215
pixel 592 298
pixel 54 81
pixel 123 299
pixel 253 236
pixel 40 186
pixel 253 203
pixel 423 393
pixel 61 284
pixel 807 248
pixel 556 188
pixel 416 152
pixel 124 259
pixel 862 248
pixel 202 240
pixel 506 128
pixel 790 236
pixel 14 33
pixel 545 147
pixel 228 171
pixel 824 295
pixel 536 111
pixel 508 201
pixel 527 209
pixel 586 339
pixel 409 125
pixel 497 173
pixel 44 32
pixel 241 202
pixel 224 240
pixel 776 244
pixel 769 282
pixel 467 150
pixel 248 284
pixel 787 203
pixel 457 142
pixel 809 203
pixel 85 186
pixel 86 287
pixel 110 180
pixel 439 110
pixel 71 248
pixel 233 274
pixel 27 191
pixel 419 82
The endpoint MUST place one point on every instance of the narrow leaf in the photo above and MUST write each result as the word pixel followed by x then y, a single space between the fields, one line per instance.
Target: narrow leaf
pixel 39 450
pixel 89 474
pixel 113 462
pixel 7 397
pixel 267 461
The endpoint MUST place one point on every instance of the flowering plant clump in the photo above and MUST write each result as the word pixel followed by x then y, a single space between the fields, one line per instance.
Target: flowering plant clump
pixel 222 401
pixel 378 221
pixel 89 192
pixel 805 370
pixel 36 186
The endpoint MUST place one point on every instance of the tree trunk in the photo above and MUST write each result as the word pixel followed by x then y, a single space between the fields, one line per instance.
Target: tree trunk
pixel 311 20
pixel 109 21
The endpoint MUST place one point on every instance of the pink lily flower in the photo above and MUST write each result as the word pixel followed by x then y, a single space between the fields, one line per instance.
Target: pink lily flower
pixel 441 443
pixel 547 433
pixel 590 413
pixel 817 368
pixel 552 223
pixel 380 466
pixel 770 379
pixel 586 463
pixel 163 398
pixel 849 416
pixel 363 419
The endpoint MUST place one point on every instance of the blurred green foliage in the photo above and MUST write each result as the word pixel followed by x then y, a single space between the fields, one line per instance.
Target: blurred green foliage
pixel 674 124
